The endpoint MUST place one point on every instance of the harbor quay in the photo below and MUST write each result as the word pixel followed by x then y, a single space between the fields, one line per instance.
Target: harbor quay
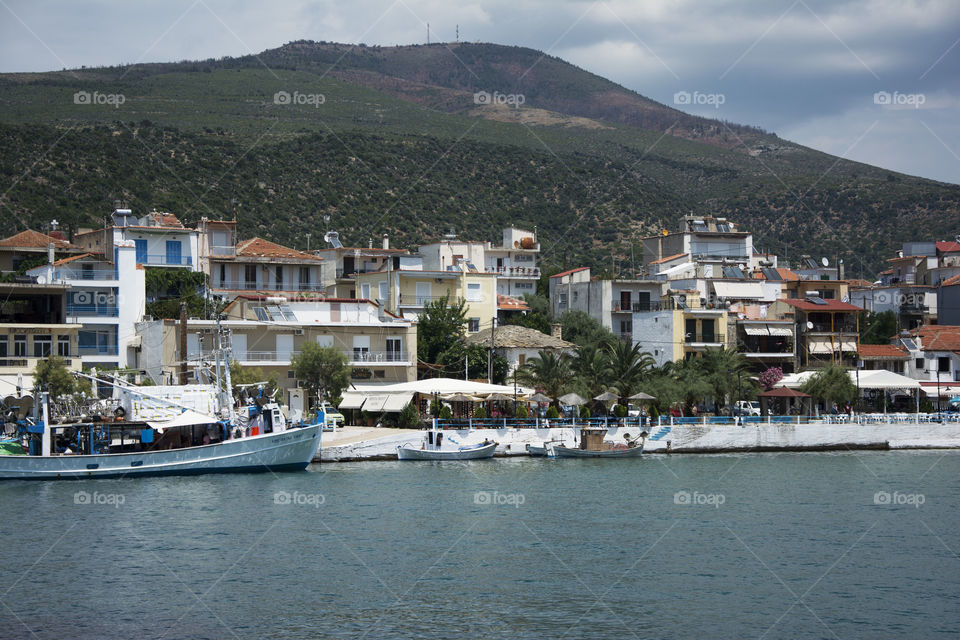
pixel 676 436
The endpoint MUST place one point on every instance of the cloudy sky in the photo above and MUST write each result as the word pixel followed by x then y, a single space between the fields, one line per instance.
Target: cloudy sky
pixel 870 80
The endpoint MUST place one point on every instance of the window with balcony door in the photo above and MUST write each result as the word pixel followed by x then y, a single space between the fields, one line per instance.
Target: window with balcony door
pixel 4 346
pixel 361 348
pixel 304 277
pixel 709 330
pixel 42 346
pixel 20 346
pixel 223 274
pixel 278 277
pixel 250 276
pixel 394 351
pixel 690 329
pixel 943 364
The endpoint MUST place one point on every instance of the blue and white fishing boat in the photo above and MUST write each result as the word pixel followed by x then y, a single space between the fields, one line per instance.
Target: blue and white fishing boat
pixel 178 441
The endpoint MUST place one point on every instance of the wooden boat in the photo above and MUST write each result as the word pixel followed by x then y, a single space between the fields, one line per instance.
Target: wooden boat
pixel 433 449
pixel 592 445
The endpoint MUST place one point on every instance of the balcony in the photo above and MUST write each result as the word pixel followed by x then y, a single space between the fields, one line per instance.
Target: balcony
pixel 223 251
pixel 244 285
pixel 164 260
pixel 82 310
pixel 704 339
pixel 514 272
pixel 74 274
pixel 618 307
pixel 354 357
pixel 25 365
pixel 419 301
pixel 98 350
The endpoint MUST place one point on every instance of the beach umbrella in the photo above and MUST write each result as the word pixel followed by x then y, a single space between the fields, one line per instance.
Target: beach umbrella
pixel 572 398
pixel 461 397
pixel 498 396
pixel 538 397
pixel 606 396
pixel 642 396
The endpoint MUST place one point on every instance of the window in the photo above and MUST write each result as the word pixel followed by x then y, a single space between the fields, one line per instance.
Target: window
pixel 4 346
pixel 522 258
pixel 626 327
pixel 86 272
pixel 63 346
pixel 42 346
pixel 473 325
pixel 291 375
pixel 20 346
pixel 524 285
pixel 278 277
pixel 562 298
pixel 690 329
pixel 473 292
pixel 394 353
pixel 709 334
pixel 325 341
pixel 304 277
pixel 382 291
pixel 379 373
pixel 141 246
pixel 521 359
pixel 174 252
pixel 250 276
pixel 920 364
pixel 365 290
pixel 361 348
pixel 943 364
pixel 223 274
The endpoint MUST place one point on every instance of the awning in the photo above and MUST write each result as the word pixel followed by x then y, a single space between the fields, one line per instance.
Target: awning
pixel 848 344
pixel 779 330
pixel 738 289
pixel 186 419
pixel 820 346
pixel 945 391
pixel 352 401
pixel 756 330
pixel 397 401
pixel 375 404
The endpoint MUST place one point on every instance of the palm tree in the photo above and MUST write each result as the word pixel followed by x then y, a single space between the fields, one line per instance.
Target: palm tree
pixel 550 373
pixel 627 366
pixel 723 369
pixel 590 368
pixel 688 378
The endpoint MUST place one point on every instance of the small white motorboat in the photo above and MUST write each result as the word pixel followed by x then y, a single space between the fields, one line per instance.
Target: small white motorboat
pixel 592 445
pixel 433 449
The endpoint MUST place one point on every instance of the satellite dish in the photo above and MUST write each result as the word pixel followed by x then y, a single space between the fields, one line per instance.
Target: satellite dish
pixel 742 266
pixel 741 316
pixel 809 325
pixel 825 262
pixel 41 279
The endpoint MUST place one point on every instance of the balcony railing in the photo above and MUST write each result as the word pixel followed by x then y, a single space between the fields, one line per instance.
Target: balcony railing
pixel 418 301
pixel 74 274
pixel 515 272
pixel 704 338
pixel 223 250
pixel 78 310
pixel 162 259
pixel 31 363
pixel 244 285
pixel 353 356
pixel 619 307
pixel 98 350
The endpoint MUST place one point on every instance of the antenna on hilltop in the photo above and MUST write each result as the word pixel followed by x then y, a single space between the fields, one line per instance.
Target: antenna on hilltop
pixel 428 33
pixel 458 33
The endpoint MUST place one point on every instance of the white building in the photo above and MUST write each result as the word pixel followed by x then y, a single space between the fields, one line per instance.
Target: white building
pixel 160 239
pixel 106 297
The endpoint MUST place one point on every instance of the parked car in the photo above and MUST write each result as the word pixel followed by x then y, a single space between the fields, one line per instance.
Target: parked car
pixel 747 408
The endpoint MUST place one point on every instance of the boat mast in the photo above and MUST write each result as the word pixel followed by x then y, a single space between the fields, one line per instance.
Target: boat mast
pixel 226 357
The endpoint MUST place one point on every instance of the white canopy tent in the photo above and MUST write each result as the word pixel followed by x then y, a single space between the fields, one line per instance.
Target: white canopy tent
pixel 868 379
pixel 390 398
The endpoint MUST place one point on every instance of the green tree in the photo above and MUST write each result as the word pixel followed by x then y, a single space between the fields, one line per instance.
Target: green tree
pixel 724 369
pixel 52 375
pixel 438 327
pixel 323 371
pixel 832 384
pixel 578 327
pixel 241 375
pixel 548 372
pixel 539 316
pixel 877 328
pixel 591 370
pixel 627 366
pixel 167 288
pixel 453 357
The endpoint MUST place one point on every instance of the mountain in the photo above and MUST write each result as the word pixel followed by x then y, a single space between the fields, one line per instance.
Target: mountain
pixel 394 140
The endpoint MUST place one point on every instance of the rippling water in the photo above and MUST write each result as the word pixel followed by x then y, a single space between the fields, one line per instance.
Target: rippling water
pixel 850 545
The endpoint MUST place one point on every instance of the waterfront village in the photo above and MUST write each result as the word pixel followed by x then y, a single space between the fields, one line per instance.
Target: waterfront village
pixel 703 324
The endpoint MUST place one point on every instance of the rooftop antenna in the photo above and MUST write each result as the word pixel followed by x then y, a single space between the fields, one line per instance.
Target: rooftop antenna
pixel 458 33
pixel 428 33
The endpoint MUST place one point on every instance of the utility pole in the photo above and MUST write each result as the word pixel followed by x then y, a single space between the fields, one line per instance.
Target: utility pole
pixel 183 343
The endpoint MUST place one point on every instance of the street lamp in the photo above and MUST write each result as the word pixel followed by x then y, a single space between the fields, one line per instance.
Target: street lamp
pixel 939 414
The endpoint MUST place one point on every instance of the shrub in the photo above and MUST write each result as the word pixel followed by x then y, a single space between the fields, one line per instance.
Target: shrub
pixel 552 413
pixel 619 410
pixel 408 417
pixel 480 413
pixel 522 412
pixel 584 412
pixel 445 413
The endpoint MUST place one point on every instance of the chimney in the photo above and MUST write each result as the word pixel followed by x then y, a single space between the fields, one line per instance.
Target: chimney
pixel 50 253
pixel 556 330
pixel 386 241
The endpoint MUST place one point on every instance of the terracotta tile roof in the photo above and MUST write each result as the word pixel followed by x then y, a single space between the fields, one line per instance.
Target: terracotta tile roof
pixel 938 337
pixel 948 247
pixel 886 272
pixel 30 239
pixel 951 281
pixel 566 273
pixel 882 352
pixel 857 283
pixel 787 274
pixel 831 305
pixel 669 258
pixel 165 219
pixel 509 303
pixel 516 337
pixel 72 258
pixel 260 248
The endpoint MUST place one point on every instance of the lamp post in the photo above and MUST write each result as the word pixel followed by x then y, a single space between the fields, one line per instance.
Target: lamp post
pixel 939 415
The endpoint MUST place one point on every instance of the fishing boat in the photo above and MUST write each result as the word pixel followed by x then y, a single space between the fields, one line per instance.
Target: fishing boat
pixel 592 445
pixel 141 439
pixel 433 448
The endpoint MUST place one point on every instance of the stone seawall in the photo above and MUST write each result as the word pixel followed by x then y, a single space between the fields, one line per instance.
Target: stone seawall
pixel 697 438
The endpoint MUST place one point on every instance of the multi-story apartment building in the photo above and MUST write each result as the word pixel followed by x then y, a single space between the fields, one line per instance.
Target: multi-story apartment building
pixel 33 326
pixel 268 331
pixel 678 327
pixel 827 331
pixel 258 265
pixel 934 359
pixel 707 244
pixel 612 303
pixel 160 239
pixel 106 298
pixel 31 248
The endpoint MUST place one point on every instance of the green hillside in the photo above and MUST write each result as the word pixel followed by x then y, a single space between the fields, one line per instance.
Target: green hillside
pixel 397 145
